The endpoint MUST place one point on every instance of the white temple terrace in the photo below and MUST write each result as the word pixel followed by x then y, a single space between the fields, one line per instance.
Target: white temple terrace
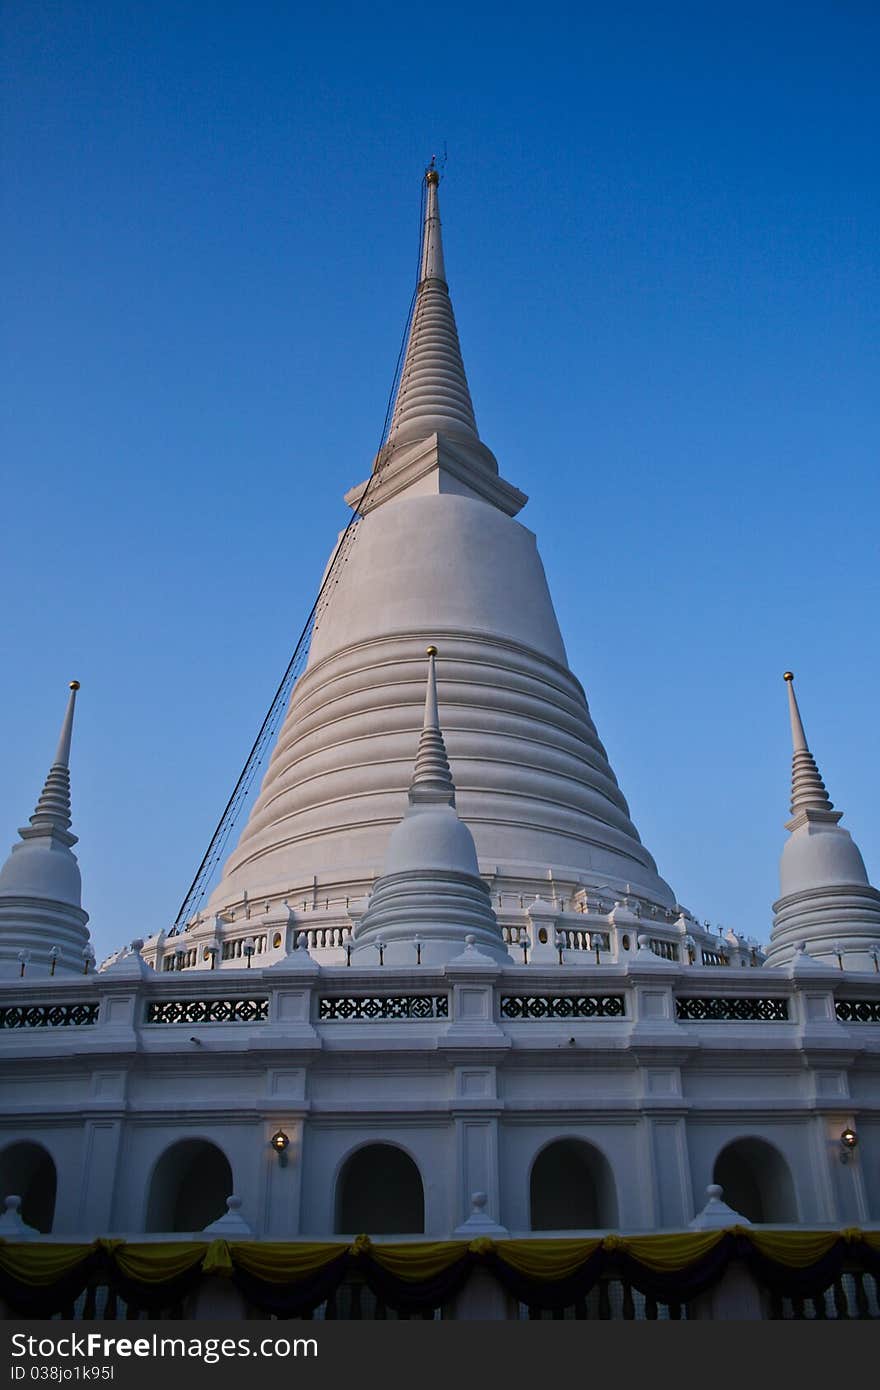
pixel 440 974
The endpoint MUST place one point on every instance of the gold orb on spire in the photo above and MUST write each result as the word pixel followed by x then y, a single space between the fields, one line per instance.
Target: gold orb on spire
pixel 432 177
pixel 74 685
pixel 431 651
pixel 788 675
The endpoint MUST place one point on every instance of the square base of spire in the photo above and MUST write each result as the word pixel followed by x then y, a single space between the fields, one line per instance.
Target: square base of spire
pixel 436 464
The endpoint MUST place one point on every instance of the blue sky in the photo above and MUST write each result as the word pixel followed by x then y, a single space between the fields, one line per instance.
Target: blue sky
pixel 661 226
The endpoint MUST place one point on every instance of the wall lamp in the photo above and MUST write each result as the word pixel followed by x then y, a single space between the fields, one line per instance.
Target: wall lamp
pixel 279 1142
pixel 848 1141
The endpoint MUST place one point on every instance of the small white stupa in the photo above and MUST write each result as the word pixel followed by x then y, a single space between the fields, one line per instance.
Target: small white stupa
pixel 42 922
pixel 430 894
pixel 826 903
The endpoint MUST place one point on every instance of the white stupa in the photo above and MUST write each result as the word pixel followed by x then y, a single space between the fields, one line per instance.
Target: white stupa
pixel 438 557
pixel 42 922
pixel 430 890
pixel 826 903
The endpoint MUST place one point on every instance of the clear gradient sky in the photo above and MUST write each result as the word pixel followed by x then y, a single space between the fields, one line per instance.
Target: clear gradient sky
pixel 661 227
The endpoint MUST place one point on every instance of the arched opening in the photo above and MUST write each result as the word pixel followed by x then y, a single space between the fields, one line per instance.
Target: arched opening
pixel 27 1171
pixel 756 1181
pixel 572 1188
pixel 379 1192
pixel 189 1187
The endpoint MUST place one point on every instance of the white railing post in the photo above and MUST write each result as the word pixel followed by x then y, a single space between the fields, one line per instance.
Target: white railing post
pixel 735 1298
pixel 482 1299
pixel 217 1299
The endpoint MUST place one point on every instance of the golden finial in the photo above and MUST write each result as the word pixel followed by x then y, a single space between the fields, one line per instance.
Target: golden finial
pixel 74 685
pixel 431 651
pixel 432 177
pixel 788 675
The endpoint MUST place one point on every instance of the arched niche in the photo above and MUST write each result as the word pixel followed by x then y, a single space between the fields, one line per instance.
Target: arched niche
pixel 757 1181
pixel 379 1191
pixel 27 1170
pixel 572 1188
pixel 189 1187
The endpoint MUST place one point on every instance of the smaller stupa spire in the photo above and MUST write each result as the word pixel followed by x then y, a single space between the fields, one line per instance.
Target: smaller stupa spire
pixel 807 788
pixel 53 808
pixel 432 779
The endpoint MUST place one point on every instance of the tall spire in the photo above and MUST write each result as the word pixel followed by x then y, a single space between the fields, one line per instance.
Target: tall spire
pixel 431 779
pixel 433 395
pixel 433 444
pixel 807 788
pixel 53 808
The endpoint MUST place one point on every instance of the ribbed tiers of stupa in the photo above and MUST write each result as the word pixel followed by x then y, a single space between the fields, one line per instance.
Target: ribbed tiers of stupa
pixel 437 556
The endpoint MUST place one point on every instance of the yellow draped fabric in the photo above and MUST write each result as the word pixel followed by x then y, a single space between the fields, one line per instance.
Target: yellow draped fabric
pixel 39 1265
pixel 671 1254
pixel 283 1264
pixel 417 1263
pixel 158 1264
pixel 546 1259
pixel 794 1249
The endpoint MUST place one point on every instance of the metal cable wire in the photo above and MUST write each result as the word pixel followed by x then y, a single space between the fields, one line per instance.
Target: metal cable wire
pixel 213 855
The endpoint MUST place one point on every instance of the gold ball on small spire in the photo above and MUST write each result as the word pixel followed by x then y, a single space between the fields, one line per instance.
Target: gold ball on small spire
pixel 432 177
pixel 431 651
pixel 788 675
pixel 74 685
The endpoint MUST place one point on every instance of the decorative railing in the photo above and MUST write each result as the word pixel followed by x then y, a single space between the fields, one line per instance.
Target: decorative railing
pixel 207 1010
pixel 538 1006
pixel 729 1009
pixel 714 957
pixel 235 949
pixel 666 950
pixel 323 938
pixel 858 1010
pixel 48 1015
pixel 576 939
pixel 612 1300
pixel 348 1008
pixel 852 1295
pixel 181 960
